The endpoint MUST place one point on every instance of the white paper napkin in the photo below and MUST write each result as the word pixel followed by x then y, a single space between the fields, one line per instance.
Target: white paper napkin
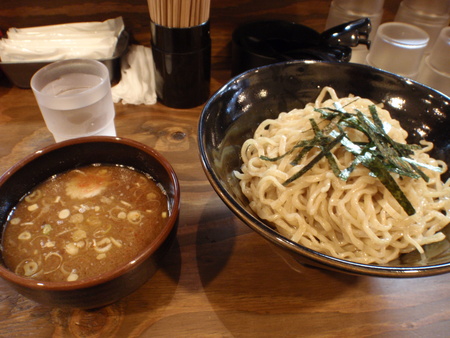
pixel 137 83
pixel 96 40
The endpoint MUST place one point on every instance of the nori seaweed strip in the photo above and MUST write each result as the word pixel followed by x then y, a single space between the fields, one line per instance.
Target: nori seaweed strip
pixel 326 115
pixel 389 154
pixel 328 155
pixel 356 150
pixel 408 148
pixel 395 169
pixel 347 119
pixel 301 154
pixel 424 165
pixel 403 152
pixel 375 117
pixel 377 168
pixel 301 144
pixel 403 148
pixel 380 155
pixel 332 161
pixel 316 159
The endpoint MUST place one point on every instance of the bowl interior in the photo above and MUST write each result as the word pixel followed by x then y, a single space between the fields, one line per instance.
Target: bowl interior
pixel 60 157
pixel 233 113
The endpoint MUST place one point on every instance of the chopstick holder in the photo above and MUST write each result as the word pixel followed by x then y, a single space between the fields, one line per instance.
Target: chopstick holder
pixel 182 58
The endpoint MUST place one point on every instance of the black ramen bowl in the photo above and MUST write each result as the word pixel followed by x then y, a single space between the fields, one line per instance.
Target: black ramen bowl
pixel 234 112
pixel 109 287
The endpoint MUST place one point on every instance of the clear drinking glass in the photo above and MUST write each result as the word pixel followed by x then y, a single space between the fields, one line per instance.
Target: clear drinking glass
pixel 430 15
pixel 75 98
pixel 398 48
pixel 435 68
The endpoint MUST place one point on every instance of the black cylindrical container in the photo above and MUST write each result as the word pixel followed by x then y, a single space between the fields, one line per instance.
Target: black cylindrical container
pixel 182 58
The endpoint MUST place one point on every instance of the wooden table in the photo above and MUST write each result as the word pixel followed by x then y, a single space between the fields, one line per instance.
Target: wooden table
pixel 220 279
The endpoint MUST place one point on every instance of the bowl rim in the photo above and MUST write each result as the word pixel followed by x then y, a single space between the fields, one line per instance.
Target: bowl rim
pixel 150 249
pixel 272 235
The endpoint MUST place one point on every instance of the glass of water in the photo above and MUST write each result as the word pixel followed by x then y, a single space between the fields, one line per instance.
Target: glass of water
pixel 75 99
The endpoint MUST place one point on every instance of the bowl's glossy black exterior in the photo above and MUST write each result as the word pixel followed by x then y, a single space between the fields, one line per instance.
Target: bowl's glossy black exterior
pixel 57 158
pixel 233 113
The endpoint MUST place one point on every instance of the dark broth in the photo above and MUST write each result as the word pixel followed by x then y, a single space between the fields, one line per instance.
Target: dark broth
pixel 83 223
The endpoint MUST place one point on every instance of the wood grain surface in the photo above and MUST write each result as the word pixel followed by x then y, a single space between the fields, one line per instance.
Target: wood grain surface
pixel 220 279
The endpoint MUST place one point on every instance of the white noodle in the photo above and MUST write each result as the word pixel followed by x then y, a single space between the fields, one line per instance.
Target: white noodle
pixel 358 219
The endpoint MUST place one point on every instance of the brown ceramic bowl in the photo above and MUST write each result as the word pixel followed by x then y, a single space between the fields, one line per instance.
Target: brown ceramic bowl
pixel 109 287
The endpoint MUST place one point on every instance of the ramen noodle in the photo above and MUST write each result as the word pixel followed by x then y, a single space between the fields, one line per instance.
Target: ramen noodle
pixel 357 218
pixel 84 222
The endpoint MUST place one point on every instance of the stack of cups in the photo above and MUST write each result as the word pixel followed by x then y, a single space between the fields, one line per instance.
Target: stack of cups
pixel 430 15
pixel 342 11
pixel 435 68
pixel 398 48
